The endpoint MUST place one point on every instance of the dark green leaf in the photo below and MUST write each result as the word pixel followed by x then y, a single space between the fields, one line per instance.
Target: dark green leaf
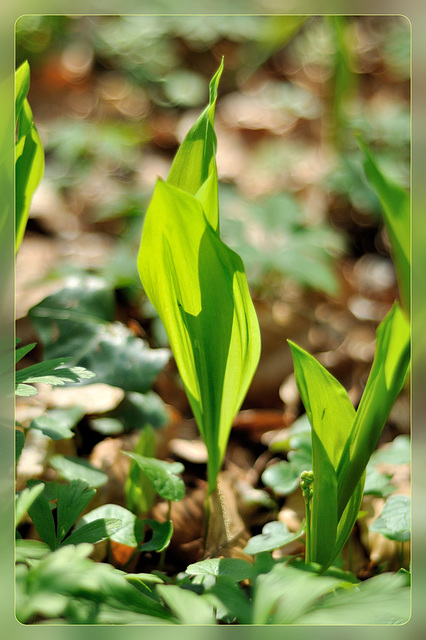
pixel 19 443
pixel 161 535
pixel 41 515
pixel 72 499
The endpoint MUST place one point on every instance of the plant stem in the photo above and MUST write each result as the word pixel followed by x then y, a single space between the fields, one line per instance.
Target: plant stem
pixel 306 480
pixel 163 553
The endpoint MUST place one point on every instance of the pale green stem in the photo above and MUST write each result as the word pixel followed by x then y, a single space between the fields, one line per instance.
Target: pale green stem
pixel 306 480
pixel 163 553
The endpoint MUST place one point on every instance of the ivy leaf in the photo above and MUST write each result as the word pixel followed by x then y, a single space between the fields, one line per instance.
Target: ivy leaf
pixel 274 535
pixel 394 522
pixel 58 423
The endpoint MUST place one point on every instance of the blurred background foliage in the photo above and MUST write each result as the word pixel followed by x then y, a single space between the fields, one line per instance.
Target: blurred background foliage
pixel 113 96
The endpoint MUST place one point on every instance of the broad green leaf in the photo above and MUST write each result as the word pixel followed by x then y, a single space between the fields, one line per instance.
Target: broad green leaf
pixel 138 409
pixel 274 535
pixel 93 532
pixel 24 500
pixel 72 499
pixel 58 423
pixel 189 274
pixel 232 568
pixel 198 287
pixel 74 468
pixel 331 414
pixel 161 535
pixel 387 376
pixel 285 593
pixel 395 203
pixel 29 155
pixel 189 607
pixel 163 476
pixel 382 600
pixel 129 533
pixel 282 478
pixel 76 323
pixel 394 522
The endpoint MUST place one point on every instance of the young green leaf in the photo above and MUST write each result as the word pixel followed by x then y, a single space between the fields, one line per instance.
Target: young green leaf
pixel 331 414
pixel 387 376
pixel 163 476
pixel 189 607
pixel 29 155
pixel 199 289
pixel 395 203
pixel 48 372
pixel 41 515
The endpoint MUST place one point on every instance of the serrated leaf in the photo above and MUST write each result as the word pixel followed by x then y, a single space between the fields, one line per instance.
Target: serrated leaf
pixel 394 522
pixel 74 468
pixel 72 499
pixel 189 274
pixel 41 515
pixel 58 423
pixel 232 568
pixel 274 535
pixel 163 476
pixel 76 322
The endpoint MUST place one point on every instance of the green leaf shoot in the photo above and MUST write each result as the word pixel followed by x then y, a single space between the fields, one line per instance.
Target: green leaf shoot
pixel 199 289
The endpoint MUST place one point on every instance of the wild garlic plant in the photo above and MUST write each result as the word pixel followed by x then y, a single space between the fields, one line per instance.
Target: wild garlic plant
pixel 199 288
